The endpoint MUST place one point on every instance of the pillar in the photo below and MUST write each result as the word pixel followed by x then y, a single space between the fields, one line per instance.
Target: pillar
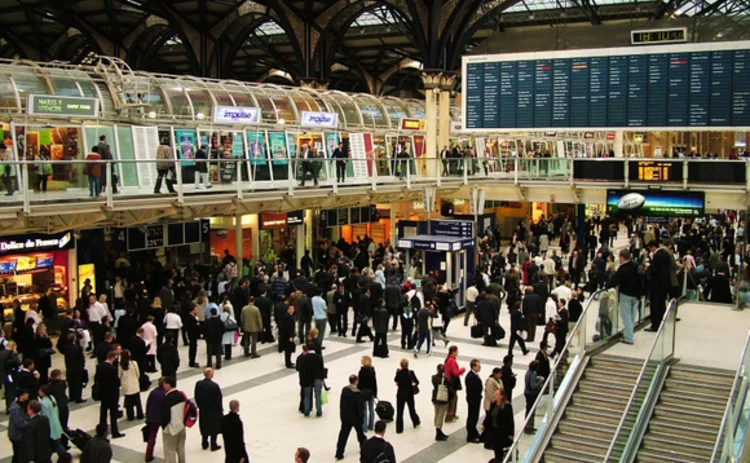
pixel 254 221
pixel 394 232
pixel 299 243
pixel 447 84
pixel 619 144
pixel 581 225
pixel 432 91
pixel 238 242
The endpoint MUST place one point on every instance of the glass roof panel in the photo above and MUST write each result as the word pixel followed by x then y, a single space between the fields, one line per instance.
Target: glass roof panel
pixel 375 17
pixel 270 28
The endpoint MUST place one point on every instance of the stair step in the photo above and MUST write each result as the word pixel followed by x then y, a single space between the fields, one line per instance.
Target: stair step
pixel 614 402
pixel 683 436
pixel 618 377
pixel 590 441
pixel 695 396
pixel 599 385
pixel 582 448
pixel 557 455
pixel 661 456
pixel 601 418
pixel 687 413
pixel 686 386
pixel 679 424
pixel 581 429
pixel 680 447
pixel 706 373
pixel 711 408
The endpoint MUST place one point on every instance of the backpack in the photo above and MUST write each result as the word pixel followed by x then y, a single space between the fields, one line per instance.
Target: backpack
pixel 382 457
pixel 190 415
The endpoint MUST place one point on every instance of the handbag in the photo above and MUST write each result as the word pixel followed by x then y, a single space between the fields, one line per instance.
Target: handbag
pixel 144 382
pixel 323 397
pixel 230 324
pixel 414 389
pixel 46 352
pixel 455 383
pixel 441 396
pixel 550 327
pixel 144 433
pixel 85 376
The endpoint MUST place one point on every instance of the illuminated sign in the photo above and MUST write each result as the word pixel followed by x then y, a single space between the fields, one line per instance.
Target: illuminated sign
pixel 657 36
pixel 35 243
pixel 63 106
pixel 270 220
pixel 316 119
pixel 655 171
pixel 412 124
pixel 235 115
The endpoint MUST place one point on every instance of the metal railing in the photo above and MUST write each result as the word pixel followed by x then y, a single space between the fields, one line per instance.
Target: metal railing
pixel 733 420
pixel 574 345
pixel 661 349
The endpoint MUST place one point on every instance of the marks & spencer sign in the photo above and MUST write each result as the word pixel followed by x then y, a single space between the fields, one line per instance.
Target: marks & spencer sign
pixel 30 243
pixel 235 115
pixel 50 105
pixel 316 119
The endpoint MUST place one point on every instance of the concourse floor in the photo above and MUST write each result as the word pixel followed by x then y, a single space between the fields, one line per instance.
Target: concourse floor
pixel 269 394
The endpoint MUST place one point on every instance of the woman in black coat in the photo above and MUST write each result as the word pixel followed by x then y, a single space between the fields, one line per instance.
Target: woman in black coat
pixel 407 384
pixel 42 353
pixel 368 386
pixel 499 426
pixel 169 358
pixel 233 433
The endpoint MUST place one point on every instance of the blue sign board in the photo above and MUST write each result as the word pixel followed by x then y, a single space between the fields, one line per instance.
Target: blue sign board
pixel 454 228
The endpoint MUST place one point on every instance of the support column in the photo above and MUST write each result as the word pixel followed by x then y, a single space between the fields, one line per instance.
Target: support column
pixel 619 144
pixel 238 242
pixel 299 243
pixel 447 84
pixel 255 237
pixel 394 229
pixel 432 90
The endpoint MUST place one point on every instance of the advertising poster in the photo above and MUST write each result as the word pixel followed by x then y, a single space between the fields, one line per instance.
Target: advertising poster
pixel 256 147
pixel 291 141
pixel 370 155
pixel 86 272
pixel 186 145
pixel 277 143
pixel 332 142
pixel 238 148
pixel 655 203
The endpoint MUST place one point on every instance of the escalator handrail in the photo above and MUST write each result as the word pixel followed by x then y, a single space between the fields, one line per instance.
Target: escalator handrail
pixel 735 390
pixel 562 355
pixel 672 306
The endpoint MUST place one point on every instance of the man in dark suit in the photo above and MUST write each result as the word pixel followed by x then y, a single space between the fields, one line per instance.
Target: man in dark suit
pixel 214 331
pixel 107 381
pixel 286 336
pixel 351 412
pixel 138 350
pixel 531 307
pixel 341 299
pixel 193 333
pixel 208 398
pixel 28 378
pixel 9 364
pixel 233 434
pixel 75 364
pixel 264 303
pixel 36 442
pixel 169 357
pixel 126 327
pixel 474 400
pixel 377 445
pixel 660 281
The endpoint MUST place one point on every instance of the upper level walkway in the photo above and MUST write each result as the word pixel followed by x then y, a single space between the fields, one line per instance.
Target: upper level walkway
pixel 277 185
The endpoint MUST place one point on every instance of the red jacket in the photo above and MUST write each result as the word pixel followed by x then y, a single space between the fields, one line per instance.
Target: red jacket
pixel 451 368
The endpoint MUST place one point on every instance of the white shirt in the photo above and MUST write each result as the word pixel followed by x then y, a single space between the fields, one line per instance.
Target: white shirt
pixel 97 312
pixel 563 292
pixel 471 294
pixel 119 291
pixel 172 321
pixel 550 309
pixel 549 266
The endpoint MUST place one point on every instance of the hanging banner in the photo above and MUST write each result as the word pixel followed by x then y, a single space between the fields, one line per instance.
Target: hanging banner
pixel 317 119
pixel 359 154
pixel 429 195
pixel 369 154
pixel 186 145
pixel 412 124
pixel 277 142
pixel 332 142
pixel 418 146
pixel 256 147
pixel 238 148
pixel 235 115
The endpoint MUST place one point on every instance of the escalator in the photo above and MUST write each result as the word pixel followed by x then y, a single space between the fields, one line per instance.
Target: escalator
pixel 686 421
pixel 591 418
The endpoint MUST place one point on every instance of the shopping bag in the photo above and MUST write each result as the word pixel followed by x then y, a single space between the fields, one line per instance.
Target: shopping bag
pixel 324 397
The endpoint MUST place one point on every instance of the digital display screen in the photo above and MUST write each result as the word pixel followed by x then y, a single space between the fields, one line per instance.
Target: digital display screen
pixel 656 203
pixel 25 263
pixel 655 171
pixel 7 266
pixel 44 261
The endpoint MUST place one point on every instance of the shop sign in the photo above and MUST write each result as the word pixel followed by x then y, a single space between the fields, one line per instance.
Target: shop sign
pixel 295 218
pixel 64 106
pixel 456 126
pixel 611 136
pixel 412 124
pixel 588 135
pixel 269 220
pixel 26 243
pixel 453 228
pixel 317 119
pixel 236 115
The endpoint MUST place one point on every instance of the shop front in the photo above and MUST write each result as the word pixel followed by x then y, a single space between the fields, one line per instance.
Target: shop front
pixel 282 237
pixel 32 264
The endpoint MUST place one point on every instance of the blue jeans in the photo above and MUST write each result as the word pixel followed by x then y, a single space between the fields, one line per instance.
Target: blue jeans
pixel 423 336
pixel 629 313
pixel 368 422
pixel 94 186
pixel 308 393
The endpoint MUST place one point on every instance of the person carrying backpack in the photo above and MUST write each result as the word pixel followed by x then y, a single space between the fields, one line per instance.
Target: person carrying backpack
pixel 376 449
pixel 173 421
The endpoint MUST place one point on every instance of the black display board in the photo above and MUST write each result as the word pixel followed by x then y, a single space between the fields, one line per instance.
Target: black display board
pixel 686 85
pixel 655 171
pixel 610 171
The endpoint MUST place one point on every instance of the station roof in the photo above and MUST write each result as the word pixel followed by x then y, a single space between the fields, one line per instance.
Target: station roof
pixel 373 46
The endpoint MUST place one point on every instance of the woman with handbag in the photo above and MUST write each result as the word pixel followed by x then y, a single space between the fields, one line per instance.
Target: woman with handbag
pixel 130 382
pixel 368 386
pixel 440 399
pixel 43 352
pixel 453 375
pixel 230 327
pixel 407 387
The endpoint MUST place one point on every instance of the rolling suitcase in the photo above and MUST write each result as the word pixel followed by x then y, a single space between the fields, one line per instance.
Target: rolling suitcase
pixel 476 332
pixel 79 438
pixel 384 410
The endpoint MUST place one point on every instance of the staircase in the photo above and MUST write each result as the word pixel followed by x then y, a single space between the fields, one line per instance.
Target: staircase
pixel 687 418
pixel 591 418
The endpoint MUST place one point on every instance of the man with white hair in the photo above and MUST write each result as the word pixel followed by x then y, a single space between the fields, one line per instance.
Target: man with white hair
pixel 233 433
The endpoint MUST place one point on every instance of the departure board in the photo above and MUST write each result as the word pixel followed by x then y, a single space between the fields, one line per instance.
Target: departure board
pixel 661 87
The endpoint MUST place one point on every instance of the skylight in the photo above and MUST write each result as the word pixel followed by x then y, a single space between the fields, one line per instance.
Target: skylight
pixel 270 28
pixel 174 40
pixel 375 17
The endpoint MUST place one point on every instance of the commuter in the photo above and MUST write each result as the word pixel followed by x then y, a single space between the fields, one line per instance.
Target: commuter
pixel 173 422
pixel 407 387
pixel 208 398
pixel 628 283
pixel 153 417
pixel 107 382
pixel 252 325
pixel 130 375
pixel 340 156
pixel 473 400
pixel 93 170
pixel 368 386
pixel 233 433
pixel 18 422
pixel 308 165
pixel 376 449
pixel 201 168
pixel 453 373
pixel 351 413
pixel 35 443
pixel 165 168
pixel 97 450
pixel 499 424
pixel 532 389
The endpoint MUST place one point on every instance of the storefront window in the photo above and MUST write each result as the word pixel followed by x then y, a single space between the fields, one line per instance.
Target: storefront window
pixel 56 144
pixel 27 277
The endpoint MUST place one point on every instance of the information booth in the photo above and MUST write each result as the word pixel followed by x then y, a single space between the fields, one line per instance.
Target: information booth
pixel 446 254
